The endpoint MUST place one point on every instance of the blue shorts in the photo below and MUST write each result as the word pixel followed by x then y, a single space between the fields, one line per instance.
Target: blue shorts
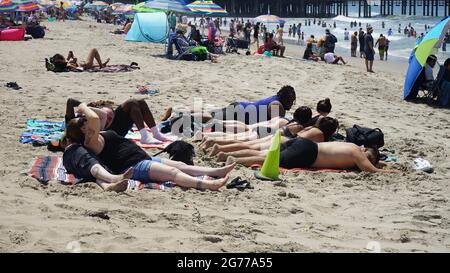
pixel 141 171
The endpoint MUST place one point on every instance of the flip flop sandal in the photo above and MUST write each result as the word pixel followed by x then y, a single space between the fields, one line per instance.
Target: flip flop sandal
pixel 239 184
pixel 13 85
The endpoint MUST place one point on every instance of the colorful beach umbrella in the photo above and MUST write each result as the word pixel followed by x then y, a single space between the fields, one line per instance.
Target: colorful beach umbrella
pixel 124 9
pixel 28 6
pixel 268 18
pixel 168 5
pixel 207 7
pixel 143 9
pixel 431 41
pixel 7 6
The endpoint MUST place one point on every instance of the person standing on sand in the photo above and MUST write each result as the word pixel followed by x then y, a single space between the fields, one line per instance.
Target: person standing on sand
pixel 369 50
pixel 346 35
pixel 381 42
pixel 361 43
pixel 354 44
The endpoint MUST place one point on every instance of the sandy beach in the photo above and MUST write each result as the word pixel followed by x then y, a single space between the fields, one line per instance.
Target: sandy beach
pixel 310 212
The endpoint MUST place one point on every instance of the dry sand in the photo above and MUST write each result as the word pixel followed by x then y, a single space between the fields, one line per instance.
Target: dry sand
pixel 326 212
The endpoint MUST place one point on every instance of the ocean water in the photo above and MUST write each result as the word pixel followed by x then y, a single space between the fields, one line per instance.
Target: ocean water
pixel 400 46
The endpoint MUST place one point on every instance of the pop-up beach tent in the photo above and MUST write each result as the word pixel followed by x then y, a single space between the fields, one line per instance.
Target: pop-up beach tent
pixel 149 27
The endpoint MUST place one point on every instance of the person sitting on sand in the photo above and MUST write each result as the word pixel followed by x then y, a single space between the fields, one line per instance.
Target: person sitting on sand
pixel 192 47
pixel 271 45
pixel 126 27
pixel 309 54
pixel 323 132
pixel 119 154
pixel 121 119
pixel 331 58
pixel 301 117
pixel 304 153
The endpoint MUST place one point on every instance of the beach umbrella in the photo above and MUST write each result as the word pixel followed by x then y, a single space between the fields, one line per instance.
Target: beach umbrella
pixel 207 7
pixel 7 6
pixel 168 5
pixel 431 41
pixel 124 9
pixel 268 18
pixel 28 6
pixel 143 9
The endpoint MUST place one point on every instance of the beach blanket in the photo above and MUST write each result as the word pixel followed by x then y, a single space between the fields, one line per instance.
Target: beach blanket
pixel 113 68
pixel 42 130
pixel 296 170
pixel 134 135
pixel 46 168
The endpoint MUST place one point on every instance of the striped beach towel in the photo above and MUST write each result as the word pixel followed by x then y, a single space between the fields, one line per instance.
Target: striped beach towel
pixel 46 168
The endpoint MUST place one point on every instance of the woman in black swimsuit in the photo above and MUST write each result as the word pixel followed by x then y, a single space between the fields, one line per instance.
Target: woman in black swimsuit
pixel 119 154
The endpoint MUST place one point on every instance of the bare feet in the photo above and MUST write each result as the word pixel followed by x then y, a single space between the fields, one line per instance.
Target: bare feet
pixel 222 157
pixel 166 115
pixel 215 149
pixel 213 185
pixel 231 160
pixel 206 144
pixel 222 172
pixel 105 63
pixel 120 186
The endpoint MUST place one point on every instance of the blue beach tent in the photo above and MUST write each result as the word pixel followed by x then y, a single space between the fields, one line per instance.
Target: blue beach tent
pixel 149 27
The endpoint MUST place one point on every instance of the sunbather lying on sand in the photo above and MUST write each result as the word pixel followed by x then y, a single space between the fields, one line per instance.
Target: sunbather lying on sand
pixel 304 153
pixel 250 112
pixel 71 63
pixel 323 132
pixel 122 118
pixel 84 165
pixel 119 154
pixel 302 116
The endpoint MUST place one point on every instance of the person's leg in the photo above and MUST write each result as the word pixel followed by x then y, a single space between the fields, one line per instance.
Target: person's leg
pixel 367 65
pixel 246 161
pixel 228 148
pixel 94 54
pixel 222 157
pixel 282 49
pixel 111 182
pixel 198 170
pixel 371 65
pixel 162 173
pixel 139 113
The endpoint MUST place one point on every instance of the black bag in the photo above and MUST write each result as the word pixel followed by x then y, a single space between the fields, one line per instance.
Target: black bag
pixel 365 136
pixel 180 151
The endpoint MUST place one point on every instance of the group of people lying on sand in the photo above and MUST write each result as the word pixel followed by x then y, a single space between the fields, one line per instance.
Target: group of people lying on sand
pixel 95 147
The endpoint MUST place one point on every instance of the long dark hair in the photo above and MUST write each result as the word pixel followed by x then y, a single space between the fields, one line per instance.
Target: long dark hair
pixel 302 115
pixel 73 133
pixel 328 126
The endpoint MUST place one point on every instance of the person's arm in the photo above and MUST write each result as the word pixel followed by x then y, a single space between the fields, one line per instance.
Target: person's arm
pixel 276 106
pixel 70 112
pixel 363 163
pixel 377 42
pixel 102 116
pixel 92 126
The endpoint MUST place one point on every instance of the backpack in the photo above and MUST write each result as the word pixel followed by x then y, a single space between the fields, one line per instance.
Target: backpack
pixel 180 151
pixel 365 136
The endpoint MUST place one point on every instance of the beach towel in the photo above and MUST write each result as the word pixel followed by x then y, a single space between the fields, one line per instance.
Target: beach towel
pixel 113 68
pixel 46 168
pixel 42 130
pixel 296 170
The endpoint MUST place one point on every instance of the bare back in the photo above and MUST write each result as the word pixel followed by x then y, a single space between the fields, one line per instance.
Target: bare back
pixel 336 155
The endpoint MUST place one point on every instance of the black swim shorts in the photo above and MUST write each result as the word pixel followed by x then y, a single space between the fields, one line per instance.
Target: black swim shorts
pixel 298 153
